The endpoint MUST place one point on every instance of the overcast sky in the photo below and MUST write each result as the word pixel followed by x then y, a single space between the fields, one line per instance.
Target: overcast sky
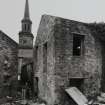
pixel 12 12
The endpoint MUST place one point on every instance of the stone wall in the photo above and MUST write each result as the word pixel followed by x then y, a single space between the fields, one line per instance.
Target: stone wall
pixel 103 68
pixel 45 78
pixel 87 66
pixel 61 64
pixel 8 66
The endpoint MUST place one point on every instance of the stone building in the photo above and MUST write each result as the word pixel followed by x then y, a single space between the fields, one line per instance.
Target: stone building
pixel 67 54
pixel 8 65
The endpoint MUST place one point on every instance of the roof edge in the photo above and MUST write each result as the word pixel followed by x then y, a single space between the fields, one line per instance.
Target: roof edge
pixel 8 37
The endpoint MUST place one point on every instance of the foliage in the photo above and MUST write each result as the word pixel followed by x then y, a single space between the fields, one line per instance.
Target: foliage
pixel 98 30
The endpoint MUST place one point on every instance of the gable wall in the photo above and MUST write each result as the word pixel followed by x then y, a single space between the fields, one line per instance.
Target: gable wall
pixel 8 52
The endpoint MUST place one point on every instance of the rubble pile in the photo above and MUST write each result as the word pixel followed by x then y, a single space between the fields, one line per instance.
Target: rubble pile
pixel 101 98
pixel 37 101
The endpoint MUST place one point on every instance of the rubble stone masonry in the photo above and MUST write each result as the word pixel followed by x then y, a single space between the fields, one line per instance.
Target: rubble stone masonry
pixel 61 65
pixel 8 66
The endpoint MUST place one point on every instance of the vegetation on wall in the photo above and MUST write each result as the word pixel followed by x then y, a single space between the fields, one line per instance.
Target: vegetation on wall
pixel 98 30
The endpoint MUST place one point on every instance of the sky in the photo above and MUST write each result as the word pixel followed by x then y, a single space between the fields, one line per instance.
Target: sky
pixel 12 12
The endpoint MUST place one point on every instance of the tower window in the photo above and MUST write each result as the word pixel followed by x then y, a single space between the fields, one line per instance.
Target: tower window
pixel 78 44
pixel 25 27
pixel 28 27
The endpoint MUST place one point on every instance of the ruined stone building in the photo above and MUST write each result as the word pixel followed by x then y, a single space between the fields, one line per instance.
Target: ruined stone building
pixel 8 65
pixel 67 54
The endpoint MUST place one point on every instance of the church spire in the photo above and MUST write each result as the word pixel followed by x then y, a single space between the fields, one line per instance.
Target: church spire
pixel 26 22
pixel 26 13
pixel 25 35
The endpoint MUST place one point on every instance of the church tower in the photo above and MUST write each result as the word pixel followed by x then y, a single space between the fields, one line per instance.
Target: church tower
pixel 25 35
pixel 25 50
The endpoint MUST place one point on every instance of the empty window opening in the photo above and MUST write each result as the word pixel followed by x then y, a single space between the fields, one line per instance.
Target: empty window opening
pixel 36 86
pixel 77 82
pixel 36 57
pixel 78 45
pixel 45 57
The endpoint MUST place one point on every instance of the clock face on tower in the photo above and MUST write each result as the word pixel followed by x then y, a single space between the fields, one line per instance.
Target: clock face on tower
pixel 26 41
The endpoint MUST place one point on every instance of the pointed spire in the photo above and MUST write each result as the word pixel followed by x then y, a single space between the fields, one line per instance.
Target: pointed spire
pixel 26 14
